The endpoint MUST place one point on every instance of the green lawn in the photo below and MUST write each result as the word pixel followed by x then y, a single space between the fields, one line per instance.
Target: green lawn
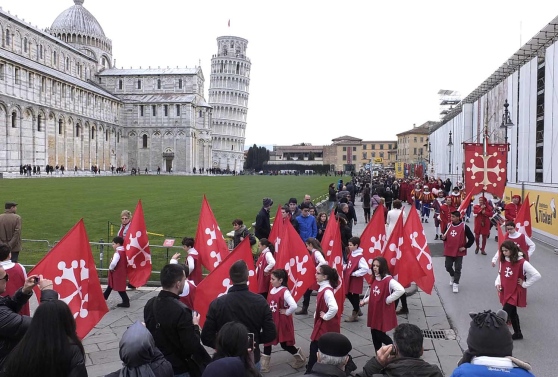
pixel 49 207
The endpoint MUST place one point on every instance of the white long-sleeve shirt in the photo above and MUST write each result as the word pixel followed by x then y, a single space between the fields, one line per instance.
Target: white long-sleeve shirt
pixel 270 260
pixel 115 258
pixel 395 288
pixel 528 241
pixel 329 298
pixel 319 258
pixel 392 217
pixel 189 260
pixel 288 299
pixel 528 270
pixel 363 267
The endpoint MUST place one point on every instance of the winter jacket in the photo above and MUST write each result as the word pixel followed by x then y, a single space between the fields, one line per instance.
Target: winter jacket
pixel 401 367
pixel 307 227
pixel 262 227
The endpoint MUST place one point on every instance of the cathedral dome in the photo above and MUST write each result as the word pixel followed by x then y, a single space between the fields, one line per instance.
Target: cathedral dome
pixel 79 20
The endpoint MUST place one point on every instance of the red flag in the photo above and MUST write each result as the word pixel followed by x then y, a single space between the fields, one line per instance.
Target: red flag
pixel 465 203
pixel 523 218
pixel 333 254
pixel 295 259
pixel 209 242
pixel 415 231
pixel 402 263
pixel 136 244
pixel 373 238
pixel 485 173
pixel 71 267
pixel 217 283
pixel 277 230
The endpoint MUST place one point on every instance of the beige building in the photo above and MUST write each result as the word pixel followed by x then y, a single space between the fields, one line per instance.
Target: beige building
pixel 378 153
pixel 412 145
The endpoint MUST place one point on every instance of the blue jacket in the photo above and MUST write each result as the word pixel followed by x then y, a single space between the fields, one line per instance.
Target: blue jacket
pixel 467 370
pixel 307 227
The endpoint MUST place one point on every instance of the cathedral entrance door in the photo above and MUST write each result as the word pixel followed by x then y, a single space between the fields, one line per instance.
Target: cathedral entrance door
pixel 168 156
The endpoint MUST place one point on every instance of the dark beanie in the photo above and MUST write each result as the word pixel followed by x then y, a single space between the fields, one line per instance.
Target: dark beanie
pixel 334 344
pixel 489 335
pixel 267 202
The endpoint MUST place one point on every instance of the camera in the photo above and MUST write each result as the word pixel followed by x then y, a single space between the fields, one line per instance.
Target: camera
pixel 393 351
pixel 250 340
pixel 36 279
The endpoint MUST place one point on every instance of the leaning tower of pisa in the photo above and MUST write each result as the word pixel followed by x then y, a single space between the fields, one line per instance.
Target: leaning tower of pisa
pixel 228 95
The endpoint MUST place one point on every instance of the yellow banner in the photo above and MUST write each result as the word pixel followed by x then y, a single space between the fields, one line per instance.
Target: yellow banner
pixel 399 172
pixel 378 160
pixel 543 208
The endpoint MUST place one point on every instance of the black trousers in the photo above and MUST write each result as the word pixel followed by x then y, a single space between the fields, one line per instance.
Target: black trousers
pixel 354 299
pixel 306 299
pixel 123 295
pixel 313 356
pixel 15 256
pixel 403 302
pixel 513 317
pixel 458 262
pixel 290 349
pixel 379 338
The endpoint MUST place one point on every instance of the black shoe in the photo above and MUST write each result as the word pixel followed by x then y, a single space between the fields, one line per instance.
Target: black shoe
pixel 402 311
pixel 477 250
pixel 496 238
pixel 425 220
pixel 517 336
pixel 422 220
pixel 131 286
pixel 123 305
pixel 302 311
pixel 436 237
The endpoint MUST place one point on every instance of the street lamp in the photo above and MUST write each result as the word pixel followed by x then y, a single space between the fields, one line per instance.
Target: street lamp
pixel 450 145
pixel 506 120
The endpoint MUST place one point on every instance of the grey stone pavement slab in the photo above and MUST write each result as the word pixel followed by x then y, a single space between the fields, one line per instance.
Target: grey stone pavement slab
pixel 426 311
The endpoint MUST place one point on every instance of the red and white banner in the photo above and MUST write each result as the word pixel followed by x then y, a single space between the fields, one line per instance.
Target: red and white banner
pixel 71 267
pixel 296 260
pixel 373 238
pixel 333 254
pixel 138 254
pixel 485 173
pixel 414 230
pixel 523 218
pixel 277 230
pixel 209 241
pixel 464 204
pixel 218 282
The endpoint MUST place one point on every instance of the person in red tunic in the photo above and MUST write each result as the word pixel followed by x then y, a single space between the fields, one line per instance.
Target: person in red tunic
pixel 326 317
pixel 446 210
pixel 192 266
pixel 315 249
pixel 456 197
pixel 117 272
pixel 353 276
pixel 436 205
pixel 514 277
pixel 511 209
pixel 125 221
pixel 483 213
pixel 264 266
pixel 457 239
pixel 426 198
pixel 384 291
pixel 282 305
pixel 415 196
pixel 18 275
pixel 525 244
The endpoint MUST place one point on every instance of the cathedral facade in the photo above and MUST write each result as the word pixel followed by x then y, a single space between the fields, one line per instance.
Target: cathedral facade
pixel 63 103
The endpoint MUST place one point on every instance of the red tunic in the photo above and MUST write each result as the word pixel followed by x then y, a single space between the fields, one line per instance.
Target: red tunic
pixel 455 200
pixel 511 210
pixel 263 280
pixel 17 280
pixel 320 326
pixel 427 197
pixel 521 243
pixel 117 278
pixel 380 315
pixel 283 322
pixel 315 286
pixel 196 274
pixel 189 298
pixel 445 216
pixel 482 220
pixel 354 284
pixel 512 293
pixel 455 238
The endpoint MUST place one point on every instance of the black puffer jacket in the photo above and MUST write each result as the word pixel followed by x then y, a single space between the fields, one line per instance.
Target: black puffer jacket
pixel 401 367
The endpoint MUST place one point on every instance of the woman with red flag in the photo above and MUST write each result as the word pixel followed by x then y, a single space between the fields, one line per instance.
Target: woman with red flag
pixel 353 276
pixel 326 317
pixel 282 307
pixel 384 290
pixel 264 266
pixel 515 276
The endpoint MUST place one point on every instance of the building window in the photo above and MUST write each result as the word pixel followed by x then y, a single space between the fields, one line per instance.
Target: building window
pixel 39 123
pixel 153 110
pixel 364 147
pixel 421 139
pixel 373 146
pixel 166 107
pixel 415 140
pixel 54 58
pixel 120 85
pixel 344 157
pixel 144 141
pixel 60 128
pixel 232 147
pixel 179 83
pixel 8 37
pixel 354 149
pixel 67 63
pixel 364 155
pixel 106 135
pixel 158 83
pixel 30 79
pixel 77 130
pixel 141 110
pixel 14 119
pixel 92 133
pixel 373 154
pixel 40 51
pixel 415 151
pixel 118 137
pixel 139 84
pixel 382 154
pixel 2 72
pixel 16 76
pixel 389 146
pixel 25 44
pixel 177 110
pixel 200 113
pixel 381 146
pixel 344 149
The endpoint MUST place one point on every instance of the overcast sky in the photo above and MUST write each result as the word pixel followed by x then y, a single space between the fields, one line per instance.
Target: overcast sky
pixel 322 69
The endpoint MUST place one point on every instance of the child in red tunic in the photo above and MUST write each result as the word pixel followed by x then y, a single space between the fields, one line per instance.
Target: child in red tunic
pixel 17 273
pixel 326 317
pixel 264 266
pixel 515 276
pixel 353 275
pixel 384 290
pixel 117 272
pixel 282 305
